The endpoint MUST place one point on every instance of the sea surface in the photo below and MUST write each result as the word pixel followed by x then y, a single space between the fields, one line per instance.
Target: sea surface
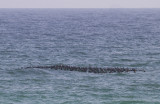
pixel 127 38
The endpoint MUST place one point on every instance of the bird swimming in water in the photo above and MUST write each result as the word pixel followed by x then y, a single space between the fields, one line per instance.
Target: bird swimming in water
pixel 86 69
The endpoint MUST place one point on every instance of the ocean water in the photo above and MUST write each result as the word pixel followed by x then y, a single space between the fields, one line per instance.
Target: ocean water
pixel 79 37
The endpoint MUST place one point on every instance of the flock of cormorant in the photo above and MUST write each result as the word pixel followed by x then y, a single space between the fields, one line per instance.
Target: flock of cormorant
pixel 87 69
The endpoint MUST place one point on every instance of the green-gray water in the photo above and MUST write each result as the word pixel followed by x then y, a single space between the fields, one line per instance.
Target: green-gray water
pixel 79 37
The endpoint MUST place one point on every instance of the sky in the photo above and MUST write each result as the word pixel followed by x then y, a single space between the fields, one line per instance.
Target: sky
pixel 79 3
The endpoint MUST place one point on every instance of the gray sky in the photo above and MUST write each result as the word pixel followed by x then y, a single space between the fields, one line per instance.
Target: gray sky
pixel 79 3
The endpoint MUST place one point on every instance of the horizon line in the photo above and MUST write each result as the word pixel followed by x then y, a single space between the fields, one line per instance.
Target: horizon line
pixel 76 8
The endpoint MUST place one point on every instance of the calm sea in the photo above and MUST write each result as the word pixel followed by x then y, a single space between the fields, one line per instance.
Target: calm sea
pixel 79 37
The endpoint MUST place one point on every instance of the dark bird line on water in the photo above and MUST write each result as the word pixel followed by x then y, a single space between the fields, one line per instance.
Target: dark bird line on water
pixel 86 69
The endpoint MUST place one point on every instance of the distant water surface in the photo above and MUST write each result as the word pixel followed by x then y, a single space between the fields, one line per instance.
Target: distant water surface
pixel 79 37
